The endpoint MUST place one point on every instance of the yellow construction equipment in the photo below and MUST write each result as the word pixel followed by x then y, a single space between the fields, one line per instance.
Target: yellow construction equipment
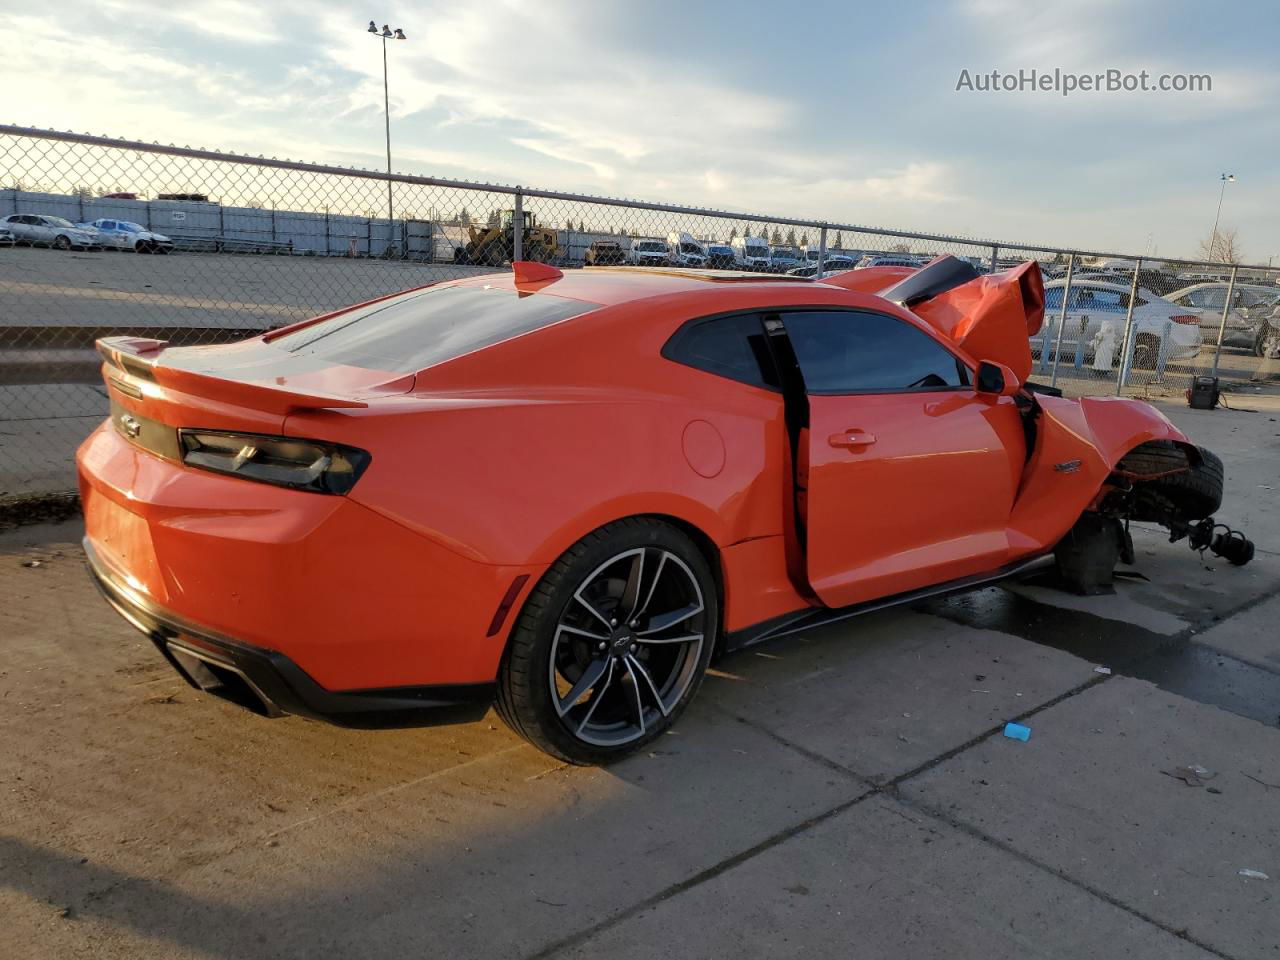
pixel 494 244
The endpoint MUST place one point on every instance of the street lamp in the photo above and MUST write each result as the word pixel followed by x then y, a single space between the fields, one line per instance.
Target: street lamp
pixel 385 34
pixel 1212 241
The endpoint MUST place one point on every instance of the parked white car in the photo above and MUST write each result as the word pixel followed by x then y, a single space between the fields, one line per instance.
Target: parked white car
pixel 40 230
pixel 1094 304
pixel 127 235
pixel 649 253
pixel 7 239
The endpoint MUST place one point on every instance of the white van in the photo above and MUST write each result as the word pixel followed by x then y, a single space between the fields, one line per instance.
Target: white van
pixel 751 253
pixel 684 251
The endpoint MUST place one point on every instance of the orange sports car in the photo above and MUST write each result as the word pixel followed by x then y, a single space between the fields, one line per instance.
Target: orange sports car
pixel 565 492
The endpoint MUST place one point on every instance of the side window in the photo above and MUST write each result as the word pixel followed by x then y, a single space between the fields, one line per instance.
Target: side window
pixel 107 224
pixel 733 347
pixel 846 351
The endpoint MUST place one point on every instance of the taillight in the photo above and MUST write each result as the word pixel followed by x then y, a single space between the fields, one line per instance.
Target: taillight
pixel 299 464
pixel 1189 318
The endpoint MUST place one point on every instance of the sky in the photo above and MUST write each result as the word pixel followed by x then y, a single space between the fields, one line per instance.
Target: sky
pixel 846 112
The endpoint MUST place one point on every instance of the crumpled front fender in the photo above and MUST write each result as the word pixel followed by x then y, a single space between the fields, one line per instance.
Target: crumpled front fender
pixel 1078 443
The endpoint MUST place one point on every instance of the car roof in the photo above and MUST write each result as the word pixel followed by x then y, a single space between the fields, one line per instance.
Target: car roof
pixel 1102 284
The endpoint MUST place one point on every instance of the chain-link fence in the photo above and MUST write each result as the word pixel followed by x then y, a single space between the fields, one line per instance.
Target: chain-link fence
pixel 257 243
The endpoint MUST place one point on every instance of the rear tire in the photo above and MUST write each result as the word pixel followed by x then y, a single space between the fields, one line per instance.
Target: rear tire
pixel 612 644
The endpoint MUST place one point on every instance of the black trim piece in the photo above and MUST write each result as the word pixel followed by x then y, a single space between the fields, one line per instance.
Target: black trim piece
pixel 1043 388
pixel 799 620
pixel 935 278
pixel 229 668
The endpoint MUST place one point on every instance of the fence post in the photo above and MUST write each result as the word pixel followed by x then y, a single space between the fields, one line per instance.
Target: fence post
pixel 1126 355
pixel 517 228
pixel 327 251
pixel 1222 326
pixel 995 258
pixel 822 251
pixel 1062 321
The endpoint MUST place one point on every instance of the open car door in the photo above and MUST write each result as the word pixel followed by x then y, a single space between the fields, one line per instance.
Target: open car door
pixel 908 474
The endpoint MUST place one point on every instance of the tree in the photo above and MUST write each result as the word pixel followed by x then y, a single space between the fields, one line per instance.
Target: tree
pixel 1222 247
pixel 791 237
pixel 777 236
pixel 900 248
pixel 839 243
pixel 733 234
pixel 464 217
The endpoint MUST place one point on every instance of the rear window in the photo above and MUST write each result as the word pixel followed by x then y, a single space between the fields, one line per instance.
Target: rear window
pixel 422 329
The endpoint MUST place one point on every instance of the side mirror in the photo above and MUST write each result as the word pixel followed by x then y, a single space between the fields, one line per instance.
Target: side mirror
pixel 995 379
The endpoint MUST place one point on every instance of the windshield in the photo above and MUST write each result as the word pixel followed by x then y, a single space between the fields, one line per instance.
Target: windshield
pixel 651 246
pixel 427 327
pixel 59 222
pixel 718 249
pixel 784 253
pixel 690 248
pixel 128 226
pixel 758 252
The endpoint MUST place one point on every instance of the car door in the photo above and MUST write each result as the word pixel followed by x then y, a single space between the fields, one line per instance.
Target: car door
pixel 22 228
pixel 908 475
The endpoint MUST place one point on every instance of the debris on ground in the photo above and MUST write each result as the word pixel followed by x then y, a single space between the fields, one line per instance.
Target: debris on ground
pixel 1253 874
pixel 1105 671
pixel 1016 731
pixel 33 563
pixel 1193 775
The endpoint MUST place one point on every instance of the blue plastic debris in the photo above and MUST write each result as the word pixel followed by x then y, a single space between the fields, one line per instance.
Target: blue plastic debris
pixel 1016 731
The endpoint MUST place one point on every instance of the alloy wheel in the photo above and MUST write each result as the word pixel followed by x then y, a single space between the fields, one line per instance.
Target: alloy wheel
pixel 627 646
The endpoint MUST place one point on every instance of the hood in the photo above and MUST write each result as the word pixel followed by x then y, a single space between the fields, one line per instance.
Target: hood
pixel 992 317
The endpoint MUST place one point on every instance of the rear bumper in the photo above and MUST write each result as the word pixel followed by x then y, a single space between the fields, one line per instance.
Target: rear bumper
pixel 269 682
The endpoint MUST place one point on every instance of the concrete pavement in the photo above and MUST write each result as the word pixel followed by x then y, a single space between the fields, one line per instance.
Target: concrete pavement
pixel 846 792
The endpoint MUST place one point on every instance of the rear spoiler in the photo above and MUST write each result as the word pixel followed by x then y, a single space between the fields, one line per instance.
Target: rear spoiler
pixel 139 357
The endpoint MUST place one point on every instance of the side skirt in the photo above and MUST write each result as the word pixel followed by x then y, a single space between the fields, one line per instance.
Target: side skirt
pixel 807 619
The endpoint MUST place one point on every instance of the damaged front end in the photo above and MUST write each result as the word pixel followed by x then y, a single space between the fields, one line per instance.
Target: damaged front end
pixel 1176 485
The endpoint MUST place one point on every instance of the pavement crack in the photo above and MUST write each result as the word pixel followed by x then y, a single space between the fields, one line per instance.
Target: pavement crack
pixel 973 832
pixel 710 873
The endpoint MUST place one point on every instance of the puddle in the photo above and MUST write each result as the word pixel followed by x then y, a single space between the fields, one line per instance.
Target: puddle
pixel 1175 663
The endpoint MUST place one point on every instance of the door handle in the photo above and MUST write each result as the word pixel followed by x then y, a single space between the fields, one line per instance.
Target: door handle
pixel 851 439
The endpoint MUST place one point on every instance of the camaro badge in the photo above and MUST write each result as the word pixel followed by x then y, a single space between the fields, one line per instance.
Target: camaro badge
pixel 1068 466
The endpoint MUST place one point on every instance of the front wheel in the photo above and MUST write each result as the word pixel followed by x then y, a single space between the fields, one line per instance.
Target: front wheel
pixel 61 243
pixel 612 643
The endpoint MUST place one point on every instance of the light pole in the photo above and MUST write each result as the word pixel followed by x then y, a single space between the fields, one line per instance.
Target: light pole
pixel 384 35
pixel 1212 241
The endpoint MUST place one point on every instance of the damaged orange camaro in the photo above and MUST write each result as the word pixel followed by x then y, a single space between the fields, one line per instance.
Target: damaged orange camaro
pixel 565 492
